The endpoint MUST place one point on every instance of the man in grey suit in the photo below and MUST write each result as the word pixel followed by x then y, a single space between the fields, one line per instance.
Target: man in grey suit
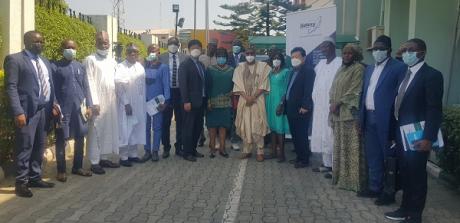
pixel 173 58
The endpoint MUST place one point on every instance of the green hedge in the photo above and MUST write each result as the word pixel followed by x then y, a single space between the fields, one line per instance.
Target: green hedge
pixel 125 39
pixel 7 125
pixel 449 157
pixel 56 27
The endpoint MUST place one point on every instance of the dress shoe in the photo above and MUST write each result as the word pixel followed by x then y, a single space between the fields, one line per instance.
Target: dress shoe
pixel 223 154
pixel 368 194
pixel 108 164
pixel 61 177
pixel 147 156
pixel 126 163
pixel 398 215
pixel 97 169
pixel 322 169
pixel 260 157
pixel 198 154
pixel 134 160
pixel 328 176
pixel 189 158
pixel 40 184
pixel 165 154
pixel 236 146
pixel 411 219
pixel 155 157
pixel 384 199
pixel 245 155
pixel 22 190
pixel 299 165
pixel 179 153
pixel 293 161
pixel 82 172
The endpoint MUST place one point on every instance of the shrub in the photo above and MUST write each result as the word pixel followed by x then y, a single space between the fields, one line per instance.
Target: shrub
pixel 449 157
pixel 56 27
pixel 7 125
pixel 125 39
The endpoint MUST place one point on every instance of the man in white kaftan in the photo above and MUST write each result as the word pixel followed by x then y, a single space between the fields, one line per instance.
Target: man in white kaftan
pixel 102 138
pixel 322 139
pixel 130 87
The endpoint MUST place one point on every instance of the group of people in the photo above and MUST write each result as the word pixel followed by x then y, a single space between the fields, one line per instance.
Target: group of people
pixel 355 109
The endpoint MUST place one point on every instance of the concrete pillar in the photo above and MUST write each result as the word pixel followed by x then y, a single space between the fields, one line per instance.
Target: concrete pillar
pixel 17 17
pixel 109 24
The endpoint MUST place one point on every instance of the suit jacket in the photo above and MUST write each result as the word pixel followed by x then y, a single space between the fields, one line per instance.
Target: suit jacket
pixel 384 96
pixel 191 83
pixel 423 102
pixel 231 59
pixel 71 83
pixel 22 85
pixel 301 90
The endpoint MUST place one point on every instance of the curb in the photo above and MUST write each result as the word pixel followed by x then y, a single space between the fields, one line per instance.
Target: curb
pixel 439 174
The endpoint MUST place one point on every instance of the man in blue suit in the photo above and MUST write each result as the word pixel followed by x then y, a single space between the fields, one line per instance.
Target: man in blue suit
pixel 380 87
pixel 72 92
pixel 419 99
pixel 299 104
pixel 29 86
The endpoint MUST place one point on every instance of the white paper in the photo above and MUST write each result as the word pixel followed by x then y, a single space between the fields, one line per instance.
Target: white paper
pixel 152 105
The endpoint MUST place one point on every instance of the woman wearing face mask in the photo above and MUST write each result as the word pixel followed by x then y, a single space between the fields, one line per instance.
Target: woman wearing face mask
pixel 219 90
pixel 277 121
pixel 348 158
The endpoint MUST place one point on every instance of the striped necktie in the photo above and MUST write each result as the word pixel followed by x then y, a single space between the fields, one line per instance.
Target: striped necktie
pixel 174 72
pixel 44 85
pixel 402 92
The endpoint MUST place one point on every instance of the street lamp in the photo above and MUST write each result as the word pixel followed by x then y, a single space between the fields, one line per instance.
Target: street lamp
pixel 176 10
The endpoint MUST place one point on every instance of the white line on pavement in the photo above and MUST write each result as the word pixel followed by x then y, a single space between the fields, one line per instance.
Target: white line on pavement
pixel 233 202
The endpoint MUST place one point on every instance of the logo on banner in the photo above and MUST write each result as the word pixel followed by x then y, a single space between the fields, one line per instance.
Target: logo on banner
pixel 311 26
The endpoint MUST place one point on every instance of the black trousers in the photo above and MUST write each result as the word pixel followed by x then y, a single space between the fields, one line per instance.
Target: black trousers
pixel 414 182
pixel 176 109
pixel 298 125
pixel 192 126
pixel 30 143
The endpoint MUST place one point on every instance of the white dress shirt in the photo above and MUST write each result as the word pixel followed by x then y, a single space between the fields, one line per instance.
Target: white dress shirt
pixel 171 68
pixel 378 68
pixel 45 72
pixel 414 69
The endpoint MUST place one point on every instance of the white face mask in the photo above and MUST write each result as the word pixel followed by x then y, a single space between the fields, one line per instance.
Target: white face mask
pixel 379 55
pixel 276 63
pixel 195 53
pixel 250 59
pixel 173 48
pixel 102 52
pixel 152 57
pixel 296 62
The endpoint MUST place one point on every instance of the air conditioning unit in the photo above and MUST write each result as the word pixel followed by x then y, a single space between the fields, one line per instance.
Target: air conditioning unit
pixel 372 34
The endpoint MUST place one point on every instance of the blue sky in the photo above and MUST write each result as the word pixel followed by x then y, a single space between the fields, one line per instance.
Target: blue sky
pixel 145 14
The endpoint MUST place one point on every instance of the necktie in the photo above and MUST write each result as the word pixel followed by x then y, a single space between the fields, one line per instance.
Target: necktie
pixel 44 88
pixel 401 92
pixel 174 72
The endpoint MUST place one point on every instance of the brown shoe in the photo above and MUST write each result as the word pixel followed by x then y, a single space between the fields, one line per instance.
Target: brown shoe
pixel 245 156
pixel 61 177
pixel 260 157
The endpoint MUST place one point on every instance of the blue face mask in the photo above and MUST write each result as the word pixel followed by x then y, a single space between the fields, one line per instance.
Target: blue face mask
pixel 221 60
pixel 236 49
pixel 410 58
pixel 379 55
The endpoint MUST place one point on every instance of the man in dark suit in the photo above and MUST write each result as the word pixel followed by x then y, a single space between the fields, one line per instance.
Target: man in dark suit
pixel 29 86
pixel 192 78
pixel 72 92
pixel 380 87
pixel 419 99
pixel 173 58
pixel 299 104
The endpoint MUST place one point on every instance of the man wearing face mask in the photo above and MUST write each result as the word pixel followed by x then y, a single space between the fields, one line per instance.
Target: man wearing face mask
pixel 419 98
pixel 103 125
pixel 380 87
pixel 157 83
pixel 299 103
pixel 74 97
pixel 251 83
pixel 30 90
pixel 173 58
pixel 192 78
pixel 210 58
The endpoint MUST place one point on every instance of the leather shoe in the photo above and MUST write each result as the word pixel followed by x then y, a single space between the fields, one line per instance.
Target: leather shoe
pixel 198 155
pixel 108 164
pixel 97 169
pixel 40 184
pixel 328 175
pixel 299 165
pixel 260 157
pixel 189 158
pixel 61 177
pixel 134 160
pixel 21 190
pixel 179 153
pixel 165 154
pixel 155 156
pixel 384 199
pixel 126 163
pixel 147 156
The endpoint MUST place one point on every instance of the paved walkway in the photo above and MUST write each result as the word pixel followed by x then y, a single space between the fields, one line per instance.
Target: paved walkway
pixel 210 190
